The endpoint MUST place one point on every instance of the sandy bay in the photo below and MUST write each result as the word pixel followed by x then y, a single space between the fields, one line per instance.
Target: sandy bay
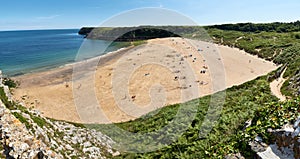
pixel 154 75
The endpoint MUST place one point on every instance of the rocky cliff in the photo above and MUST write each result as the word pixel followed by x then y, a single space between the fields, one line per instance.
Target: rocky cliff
pixel 25 133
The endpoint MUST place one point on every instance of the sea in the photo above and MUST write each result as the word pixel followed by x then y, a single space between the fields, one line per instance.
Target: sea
pixel 23 52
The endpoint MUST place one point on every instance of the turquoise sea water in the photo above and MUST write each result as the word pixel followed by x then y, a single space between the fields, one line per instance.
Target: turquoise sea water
pixel 29 51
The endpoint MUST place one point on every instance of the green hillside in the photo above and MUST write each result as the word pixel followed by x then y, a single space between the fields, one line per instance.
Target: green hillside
pixel 281 48
pixel 253 100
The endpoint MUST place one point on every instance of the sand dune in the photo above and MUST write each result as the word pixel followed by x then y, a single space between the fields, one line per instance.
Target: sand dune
pixel 132 82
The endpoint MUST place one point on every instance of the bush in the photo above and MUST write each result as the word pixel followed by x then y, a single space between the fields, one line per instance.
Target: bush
pixel 10 83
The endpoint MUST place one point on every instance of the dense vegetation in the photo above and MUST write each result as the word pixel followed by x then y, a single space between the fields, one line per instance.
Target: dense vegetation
pixel 264 27
pixel 126 34
pixel 273 116
pixel 141 32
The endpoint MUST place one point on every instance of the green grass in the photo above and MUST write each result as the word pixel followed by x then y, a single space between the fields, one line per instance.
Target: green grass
pixel 240 105
pixel 22 120
pixel 268 42
pixel 139 42
pixel 72 123
pixel 39 121
pixel 5 100
pixel 282 48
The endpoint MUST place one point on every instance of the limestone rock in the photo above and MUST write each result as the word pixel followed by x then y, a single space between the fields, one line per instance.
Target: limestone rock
pixel 287 143
pixel 49 138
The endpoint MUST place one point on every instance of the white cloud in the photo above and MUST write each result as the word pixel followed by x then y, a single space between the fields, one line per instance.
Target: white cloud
pixel 48 17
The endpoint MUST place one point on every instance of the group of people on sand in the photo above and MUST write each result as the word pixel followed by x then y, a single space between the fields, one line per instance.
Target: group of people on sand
pixel 205 68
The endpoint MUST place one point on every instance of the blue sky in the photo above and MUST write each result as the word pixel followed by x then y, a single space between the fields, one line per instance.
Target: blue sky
pixel 44 14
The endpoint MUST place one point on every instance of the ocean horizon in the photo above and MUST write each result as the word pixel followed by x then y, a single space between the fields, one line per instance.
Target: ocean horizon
pixel 27 51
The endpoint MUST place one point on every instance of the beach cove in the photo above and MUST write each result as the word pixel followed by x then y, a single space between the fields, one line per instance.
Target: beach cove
pixel 51 92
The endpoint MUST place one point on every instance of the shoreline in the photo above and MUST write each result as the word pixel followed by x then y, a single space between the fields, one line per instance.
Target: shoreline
pixel 66 69
pixel 111 53
pixel 68 64
pixel 37 88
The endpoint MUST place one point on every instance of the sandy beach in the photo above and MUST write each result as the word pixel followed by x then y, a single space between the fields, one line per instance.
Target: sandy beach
pixel 134 81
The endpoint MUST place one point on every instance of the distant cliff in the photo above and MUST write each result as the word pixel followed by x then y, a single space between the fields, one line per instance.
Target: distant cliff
pixel 126 33
pixel 85 30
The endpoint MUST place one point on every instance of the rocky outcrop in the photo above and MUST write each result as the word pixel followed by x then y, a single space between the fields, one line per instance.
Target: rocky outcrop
pixel 25 133
pixel 17 141
pixel 287 143
pixel 85 30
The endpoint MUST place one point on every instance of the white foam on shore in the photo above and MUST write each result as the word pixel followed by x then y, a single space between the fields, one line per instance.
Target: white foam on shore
pixel 93 58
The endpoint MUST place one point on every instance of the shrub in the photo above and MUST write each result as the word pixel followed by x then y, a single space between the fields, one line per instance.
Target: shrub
pixel 10 83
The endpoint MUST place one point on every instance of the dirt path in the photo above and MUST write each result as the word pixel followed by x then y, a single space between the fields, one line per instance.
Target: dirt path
pixel 276 86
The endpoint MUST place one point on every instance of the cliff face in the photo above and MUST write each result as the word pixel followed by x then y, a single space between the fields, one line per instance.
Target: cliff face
pixel 85 30
pixel 16 139
pixel 26 133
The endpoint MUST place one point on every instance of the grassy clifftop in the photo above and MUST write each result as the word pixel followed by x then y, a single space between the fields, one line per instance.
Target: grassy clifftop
pixel 142 32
